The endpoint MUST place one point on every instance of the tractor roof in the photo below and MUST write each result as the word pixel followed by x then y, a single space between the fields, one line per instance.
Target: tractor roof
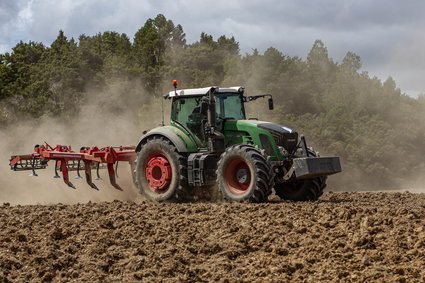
pixel 204 91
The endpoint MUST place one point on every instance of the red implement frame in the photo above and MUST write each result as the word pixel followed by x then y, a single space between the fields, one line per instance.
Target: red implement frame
pixel 90 156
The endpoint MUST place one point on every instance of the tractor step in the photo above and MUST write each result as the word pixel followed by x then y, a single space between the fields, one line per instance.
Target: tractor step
pixel 311 167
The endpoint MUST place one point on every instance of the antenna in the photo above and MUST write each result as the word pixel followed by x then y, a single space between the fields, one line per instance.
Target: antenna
pixel 162 111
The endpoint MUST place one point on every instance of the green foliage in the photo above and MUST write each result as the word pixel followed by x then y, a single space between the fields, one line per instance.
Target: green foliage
pixel 377 130
pixel 152 42
pixel 203 62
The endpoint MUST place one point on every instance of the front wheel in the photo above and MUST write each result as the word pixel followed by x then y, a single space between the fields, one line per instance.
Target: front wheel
pixel 302 190
pixel 244 174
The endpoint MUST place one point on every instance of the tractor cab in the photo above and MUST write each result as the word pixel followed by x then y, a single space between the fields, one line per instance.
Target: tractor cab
pixel 191 108
pixel 191 112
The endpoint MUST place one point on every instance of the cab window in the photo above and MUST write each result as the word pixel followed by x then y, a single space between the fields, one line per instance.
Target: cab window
pixel 187 112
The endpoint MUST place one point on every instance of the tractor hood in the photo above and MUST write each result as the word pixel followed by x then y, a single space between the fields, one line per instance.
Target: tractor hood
pixel 259 132
pixel 259 124
pixel 274 127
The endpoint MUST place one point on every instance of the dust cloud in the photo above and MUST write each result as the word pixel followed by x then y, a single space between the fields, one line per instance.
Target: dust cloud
pixel 112 117
pixel 118 116
pixel 352 178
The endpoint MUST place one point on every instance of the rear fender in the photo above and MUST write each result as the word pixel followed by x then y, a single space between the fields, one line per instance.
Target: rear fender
pixel 177 137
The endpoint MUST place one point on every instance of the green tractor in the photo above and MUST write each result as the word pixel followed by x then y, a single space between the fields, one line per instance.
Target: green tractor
pixel 210 141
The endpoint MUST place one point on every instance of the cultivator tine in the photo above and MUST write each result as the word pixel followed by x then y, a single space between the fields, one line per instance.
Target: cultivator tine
pixel 97 172
pixel 56 170
pixel 87 170
pixel 112 179
pixel 78 170
pixel 116 170
pixel 64 168
pixel 74 165
pixel 33 174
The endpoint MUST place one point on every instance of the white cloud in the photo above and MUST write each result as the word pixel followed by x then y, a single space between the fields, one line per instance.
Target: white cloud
pixel 4 48
pixel 25 15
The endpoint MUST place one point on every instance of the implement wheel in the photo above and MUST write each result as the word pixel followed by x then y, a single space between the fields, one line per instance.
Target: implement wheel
pixel 161 171
pixel 244 174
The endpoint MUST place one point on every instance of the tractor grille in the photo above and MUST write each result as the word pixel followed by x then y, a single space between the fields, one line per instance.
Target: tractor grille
pixel 288 140
pixel 283 136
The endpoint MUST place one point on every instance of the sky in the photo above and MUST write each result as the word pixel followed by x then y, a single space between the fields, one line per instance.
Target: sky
pixel 388 35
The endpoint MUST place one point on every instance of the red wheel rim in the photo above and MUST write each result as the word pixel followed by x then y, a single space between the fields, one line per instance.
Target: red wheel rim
pixel 238 176
pixel 158 173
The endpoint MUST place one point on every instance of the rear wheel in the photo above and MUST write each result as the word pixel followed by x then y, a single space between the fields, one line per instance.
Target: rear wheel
pixel 244 174
pixel 161 171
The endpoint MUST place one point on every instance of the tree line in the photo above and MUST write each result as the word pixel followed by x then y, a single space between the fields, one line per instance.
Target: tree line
pixel 375 128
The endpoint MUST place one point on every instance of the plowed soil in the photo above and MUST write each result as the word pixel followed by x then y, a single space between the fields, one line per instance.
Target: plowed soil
pixel 343 237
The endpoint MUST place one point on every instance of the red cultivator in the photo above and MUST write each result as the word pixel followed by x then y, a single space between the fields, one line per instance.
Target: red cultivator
pixel 68 160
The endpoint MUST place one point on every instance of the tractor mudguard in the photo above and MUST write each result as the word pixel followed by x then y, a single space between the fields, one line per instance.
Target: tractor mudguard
pixel 179 139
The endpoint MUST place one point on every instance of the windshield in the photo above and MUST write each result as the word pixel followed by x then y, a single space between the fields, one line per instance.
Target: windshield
pixel 229 106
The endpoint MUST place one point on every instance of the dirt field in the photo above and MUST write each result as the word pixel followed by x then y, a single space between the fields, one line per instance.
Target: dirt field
pixel 342 237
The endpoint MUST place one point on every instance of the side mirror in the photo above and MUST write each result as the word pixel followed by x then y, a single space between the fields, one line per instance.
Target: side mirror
pixel 204 107
pixel 271 106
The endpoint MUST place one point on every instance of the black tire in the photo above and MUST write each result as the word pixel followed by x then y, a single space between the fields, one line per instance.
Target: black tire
pixel 244 174
pixel 302 190
pixel 161 172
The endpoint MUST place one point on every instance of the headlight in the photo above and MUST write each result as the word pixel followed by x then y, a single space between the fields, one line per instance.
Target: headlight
pixel 283 151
